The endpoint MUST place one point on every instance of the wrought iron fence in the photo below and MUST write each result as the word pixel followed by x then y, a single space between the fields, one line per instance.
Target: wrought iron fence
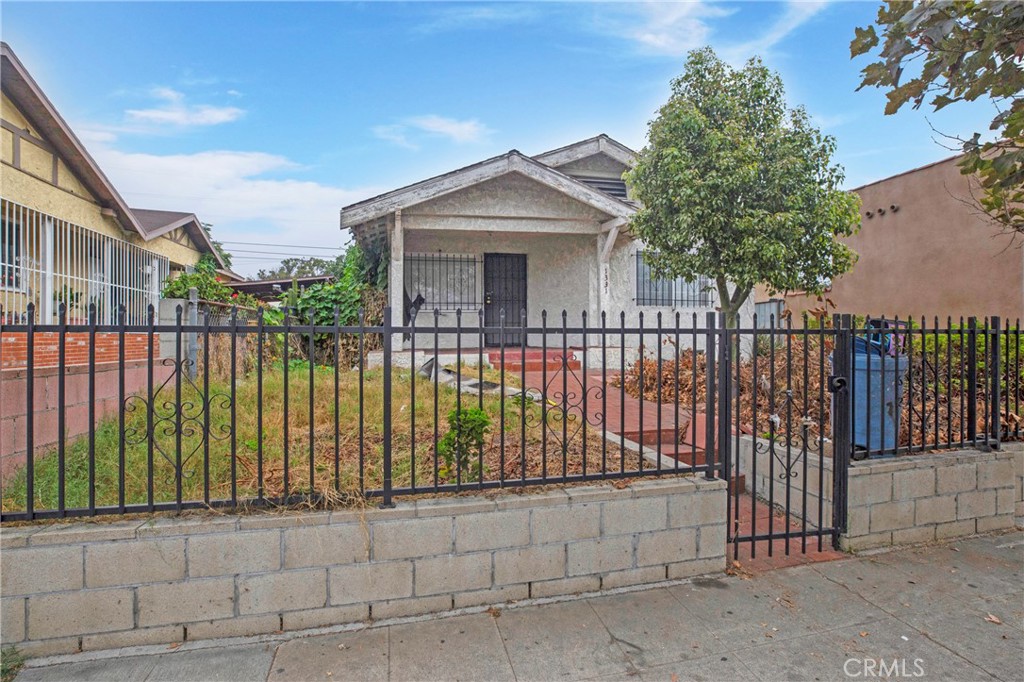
pixel 282 410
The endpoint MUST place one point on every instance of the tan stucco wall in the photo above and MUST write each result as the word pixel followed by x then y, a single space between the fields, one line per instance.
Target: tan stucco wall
pixel 69 200
pixel 934 256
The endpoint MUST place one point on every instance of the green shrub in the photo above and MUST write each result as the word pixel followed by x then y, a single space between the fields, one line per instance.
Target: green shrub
pixel 462 442
pixel 208 289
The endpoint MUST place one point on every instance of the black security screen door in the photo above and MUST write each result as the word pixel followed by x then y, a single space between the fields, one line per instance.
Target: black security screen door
pixel 504 289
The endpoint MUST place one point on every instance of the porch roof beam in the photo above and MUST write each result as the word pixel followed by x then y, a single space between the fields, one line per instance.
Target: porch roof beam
pixel 609 242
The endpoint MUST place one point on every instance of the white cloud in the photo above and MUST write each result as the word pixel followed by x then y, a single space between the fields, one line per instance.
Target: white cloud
pixel 672 28
pixel 675 28
pixel 394 134
pixel 175 111
pixel 405 133
pixel 230 190
pixel 470 130
pixel 477 17
pixel 829 121
pixel 796 14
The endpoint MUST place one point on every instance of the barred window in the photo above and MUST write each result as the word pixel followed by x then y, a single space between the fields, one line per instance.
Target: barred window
pixel 447 281
pixel 10 253
pixel 654 291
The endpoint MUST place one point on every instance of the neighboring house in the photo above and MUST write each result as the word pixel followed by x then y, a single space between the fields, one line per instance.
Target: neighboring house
pixel 66 234
pixel 514 233
pixel 270 290
pixel 925 250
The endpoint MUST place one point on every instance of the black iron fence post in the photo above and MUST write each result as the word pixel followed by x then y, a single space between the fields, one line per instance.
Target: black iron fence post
pixel 996 376
pixel 841 420
pixel 387 502
pixel 972 379
pixel 709 403
pixel 724 388
pixel 30 409
pixel 193 337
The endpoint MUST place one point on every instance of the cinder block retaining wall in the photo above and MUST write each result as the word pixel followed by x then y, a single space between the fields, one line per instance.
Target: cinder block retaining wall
pixel 904 500
pixel 1017 449
pixel 100 586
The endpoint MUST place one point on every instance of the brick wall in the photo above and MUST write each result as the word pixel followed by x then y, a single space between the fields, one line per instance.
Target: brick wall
pixel 911 499
pixel 101 586
pixel 14 348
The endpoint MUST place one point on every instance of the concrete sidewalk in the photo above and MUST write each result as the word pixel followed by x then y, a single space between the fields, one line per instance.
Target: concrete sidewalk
pixel 924 613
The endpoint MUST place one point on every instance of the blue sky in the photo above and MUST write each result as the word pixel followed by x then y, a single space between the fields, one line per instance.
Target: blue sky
pixel 266 118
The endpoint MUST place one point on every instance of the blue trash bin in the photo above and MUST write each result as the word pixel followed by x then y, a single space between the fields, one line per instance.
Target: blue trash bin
pixel 875 396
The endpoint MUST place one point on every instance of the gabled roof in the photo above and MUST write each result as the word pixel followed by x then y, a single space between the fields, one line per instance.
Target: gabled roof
pixel 33 103
pixel 156 223
pixel 600 144
pixel 26 94
pixel 510 162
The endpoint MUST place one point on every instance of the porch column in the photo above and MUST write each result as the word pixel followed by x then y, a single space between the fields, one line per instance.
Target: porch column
pixel 605 246
pixel 396 275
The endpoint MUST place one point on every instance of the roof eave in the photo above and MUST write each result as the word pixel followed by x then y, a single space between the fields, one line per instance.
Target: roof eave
pixel 20 86
pixel 371 209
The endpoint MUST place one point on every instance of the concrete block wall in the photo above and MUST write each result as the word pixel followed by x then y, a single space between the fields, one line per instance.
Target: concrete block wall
pixel 929 497
pixel 897 501
pixel 88 586
pixel 1016 451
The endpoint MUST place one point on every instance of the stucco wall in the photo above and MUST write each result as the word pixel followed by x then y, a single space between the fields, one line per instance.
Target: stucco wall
pixel 561 238
pixel 933 256
pixel 596 166
pixel 558 270
pixel 100 586
pixel 31 185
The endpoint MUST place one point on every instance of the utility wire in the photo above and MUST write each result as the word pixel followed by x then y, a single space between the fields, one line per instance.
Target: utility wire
pixel 287 246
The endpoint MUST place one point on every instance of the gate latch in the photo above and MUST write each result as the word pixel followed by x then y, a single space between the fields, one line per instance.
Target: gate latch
pixel 836 384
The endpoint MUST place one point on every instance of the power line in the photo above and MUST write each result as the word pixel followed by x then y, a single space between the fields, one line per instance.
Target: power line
pixel 273 254
pixel 287 246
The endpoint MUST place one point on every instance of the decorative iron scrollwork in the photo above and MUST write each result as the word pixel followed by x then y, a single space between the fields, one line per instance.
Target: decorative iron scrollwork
pixel 564 399
pixel 169 415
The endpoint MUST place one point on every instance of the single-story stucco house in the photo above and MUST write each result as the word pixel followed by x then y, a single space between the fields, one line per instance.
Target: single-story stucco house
pixel 520 233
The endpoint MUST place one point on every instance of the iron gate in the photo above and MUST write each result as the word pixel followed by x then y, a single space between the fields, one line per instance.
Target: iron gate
pixel 783 435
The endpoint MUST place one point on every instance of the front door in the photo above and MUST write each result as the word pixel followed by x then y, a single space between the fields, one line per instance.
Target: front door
pixel 504 289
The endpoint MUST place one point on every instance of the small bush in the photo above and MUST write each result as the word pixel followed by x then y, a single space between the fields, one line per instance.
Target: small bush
pixel 462 442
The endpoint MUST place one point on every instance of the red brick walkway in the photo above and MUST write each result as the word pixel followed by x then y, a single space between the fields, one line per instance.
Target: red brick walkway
pixel 622 415
pixel 757 519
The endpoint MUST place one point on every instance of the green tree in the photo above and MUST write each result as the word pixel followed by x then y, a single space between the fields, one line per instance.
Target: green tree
pixel 946 52
pixel 303 267
pixel 736 187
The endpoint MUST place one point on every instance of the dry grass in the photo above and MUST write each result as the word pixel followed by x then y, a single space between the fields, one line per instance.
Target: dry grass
pixel 342 466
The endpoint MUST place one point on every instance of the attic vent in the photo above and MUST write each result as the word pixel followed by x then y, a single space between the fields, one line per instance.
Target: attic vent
pixel 610 186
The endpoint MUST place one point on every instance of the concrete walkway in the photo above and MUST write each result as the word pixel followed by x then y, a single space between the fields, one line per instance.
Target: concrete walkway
pixel 929 611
